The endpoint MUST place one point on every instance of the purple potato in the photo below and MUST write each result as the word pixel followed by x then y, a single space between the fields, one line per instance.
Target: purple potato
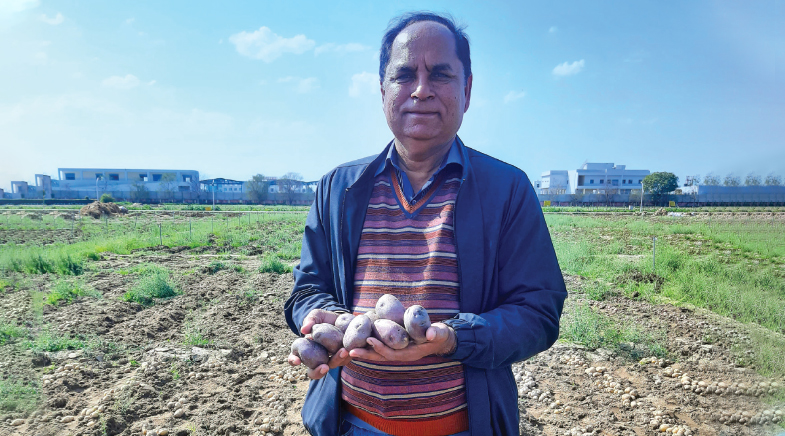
pixel 328 336
pixel 372 315
pixel 392 334
pixel 388 307
pixel 357 333
pixel 416 321
pixel 343 321
pixel 310 353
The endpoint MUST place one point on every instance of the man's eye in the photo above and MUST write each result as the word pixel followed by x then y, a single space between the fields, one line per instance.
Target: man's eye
pixel 403 77
pixel 440 76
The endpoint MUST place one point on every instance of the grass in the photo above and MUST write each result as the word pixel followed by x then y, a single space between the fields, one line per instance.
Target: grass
pixel 50 341
pixel 587 327
pixel 10 331
pixel 18 396
pixel 271 264
pixel 731 268
pixel 154 283
pixel 67 291
pixel 194 335
pixel 218 265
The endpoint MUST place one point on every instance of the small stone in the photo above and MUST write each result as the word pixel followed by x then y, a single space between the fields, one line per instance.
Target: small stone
pixel 17 422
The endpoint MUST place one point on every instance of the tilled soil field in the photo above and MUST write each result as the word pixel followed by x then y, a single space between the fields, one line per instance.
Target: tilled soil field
pixel 212 361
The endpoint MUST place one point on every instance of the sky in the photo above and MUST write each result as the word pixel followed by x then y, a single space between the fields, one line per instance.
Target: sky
pixel 233 89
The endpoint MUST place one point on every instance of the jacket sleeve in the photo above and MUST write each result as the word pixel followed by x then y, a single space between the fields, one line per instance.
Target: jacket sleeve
pixel 530 288
pixel 313 278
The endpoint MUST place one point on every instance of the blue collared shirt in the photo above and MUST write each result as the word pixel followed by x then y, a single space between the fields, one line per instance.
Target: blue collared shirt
pixel 453 156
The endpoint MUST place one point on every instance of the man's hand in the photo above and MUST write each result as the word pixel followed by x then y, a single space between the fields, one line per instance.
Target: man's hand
pixel 340 358
pixel 318 316
pixel 440 339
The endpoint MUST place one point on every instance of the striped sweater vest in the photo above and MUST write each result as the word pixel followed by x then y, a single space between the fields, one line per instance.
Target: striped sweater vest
pixel 409 251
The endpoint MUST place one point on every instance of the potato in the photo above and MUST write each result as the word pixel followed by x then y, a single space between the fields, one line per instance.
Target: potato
pixel 372 315
pixel 343 321
pixel 357 333
pixel 416 321
pixel 388 307
pixel 391 333
pixel 328 336
pixel 310 353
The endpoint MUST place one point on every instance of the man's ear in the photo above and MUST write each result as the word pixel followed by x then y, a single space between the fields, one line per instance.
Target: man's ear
pixel 467 91
pixel 381 87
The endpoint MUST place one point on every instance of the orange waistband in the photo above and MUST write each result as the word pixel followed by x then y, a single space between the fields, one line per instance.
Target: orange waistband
pixel 444 426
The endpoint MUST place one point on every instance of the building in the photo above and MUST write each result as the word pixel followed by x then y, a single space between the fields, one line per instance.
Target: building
pixel 94 181
pixel 593 178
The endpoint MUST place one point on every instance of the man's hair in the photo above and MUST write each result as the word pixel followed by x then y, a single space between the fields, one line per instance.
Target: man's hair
pixel 399 23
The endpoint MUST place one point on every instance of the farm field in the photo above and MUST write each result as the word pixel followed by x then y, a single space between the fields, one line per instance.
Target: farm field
pixel 173 321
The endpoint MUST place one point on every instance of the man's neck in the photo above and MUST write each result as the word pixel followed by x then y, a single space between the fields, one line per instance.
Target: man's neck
pixel 420 167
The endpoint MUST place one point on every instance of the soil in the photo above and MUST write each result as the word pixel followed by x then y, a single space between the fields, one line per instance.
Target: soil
pixel 215 356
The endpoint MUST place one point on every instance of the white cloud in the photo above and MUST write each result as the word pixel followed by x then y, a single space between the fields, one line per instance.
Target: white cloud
pixel 130 20
pixel 57 19
pixel 118 82
pixel 265 45
pixel 340 48
pixel 302 86
pixel 568 69
pixel 364 83
pixel 553 29
pixel 514 95
pixel 11 6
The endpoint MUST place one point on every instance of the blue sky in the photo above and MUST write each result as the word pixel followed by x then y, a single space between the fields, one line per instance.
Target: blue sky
pixel 234 89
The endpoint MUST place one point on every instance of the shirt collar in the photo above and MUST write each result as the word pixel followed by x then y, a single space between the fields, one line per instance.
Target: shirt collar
pixel 452 157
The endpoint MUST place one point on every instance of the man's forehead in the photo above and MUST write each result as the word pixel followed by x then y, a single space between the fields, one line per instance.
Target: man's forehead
pixel 423 36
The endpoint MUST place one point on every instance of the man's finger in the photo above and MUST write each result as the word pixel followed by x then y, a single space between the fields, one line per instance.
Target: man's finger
pixel 366 354
pixel 294 360
pixel 340 358
pixel 318 372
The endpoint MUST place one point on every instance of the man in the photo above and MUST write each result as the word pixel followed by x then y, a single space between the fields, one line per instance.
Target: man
pixel 437 224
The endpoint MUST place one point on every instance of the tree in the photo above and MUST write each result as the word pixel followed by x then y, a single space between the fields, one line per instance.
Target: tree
pixel 731 180
pixel 257 188
pixel 288 184
pixel 773 180
pixel 166 186
pixel 139 192
pixel 711 180
pixel 660 184
pixel 752 180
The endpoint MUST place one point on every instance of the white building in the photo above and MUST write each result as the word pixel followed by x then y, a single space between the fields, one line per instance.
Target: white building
pixel 593 178
pixel 123 180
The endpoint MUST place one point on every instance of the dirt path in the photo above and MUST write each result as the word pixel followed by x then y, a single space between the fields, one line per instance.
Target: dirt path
pixel 212 361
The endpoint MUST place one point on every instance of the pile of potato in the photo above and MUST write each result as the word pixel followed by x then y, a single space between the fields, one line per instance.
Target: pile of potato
pixel 389 322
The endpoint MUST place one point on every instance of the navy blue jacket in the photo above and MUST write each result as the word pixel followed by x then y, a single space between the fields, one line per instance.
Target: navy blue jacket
pixel 511 293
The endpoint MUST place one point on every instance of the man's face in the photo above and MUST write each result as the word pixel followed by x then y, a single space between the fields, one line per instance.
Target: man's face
pixel 423 91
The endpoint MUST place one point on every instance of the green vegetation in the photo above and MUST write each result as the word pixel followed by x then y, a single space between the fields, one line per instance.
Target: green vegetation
pixel 585 326
pixel 68 291
pixel 48 340
pixel 10 331
pixel 218 265
pixel 18 396
pixel 154 283
pixel 733 267
pixel 106 198
pixel 271 264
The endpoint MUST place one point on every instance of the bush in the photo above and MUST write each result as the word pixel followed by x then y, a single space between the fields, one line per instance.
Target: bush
pixel 271 264
pixel 106 198
pixel 10 331
pixel 151 285
pixel 68 292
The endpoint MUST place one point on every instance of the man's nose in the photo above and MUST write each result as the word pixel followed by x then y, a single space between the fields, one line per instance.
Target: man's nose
pixel 423 90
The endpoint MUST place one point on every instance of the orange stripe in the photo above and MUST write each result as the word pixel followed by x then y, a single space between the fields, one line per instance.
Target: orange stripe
pixel 399 191
pixel 455 423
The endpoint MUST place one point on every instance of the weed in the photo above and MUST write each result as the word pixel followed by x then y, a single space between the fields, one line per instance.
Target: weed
pixel 133 363
pixel 271 264
pixel 583 325
pixel 18 396
pixel 174 371
pixel 47 340
pixel 154 283
pixel 67 291
pixel 598 291
pixel 9 332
